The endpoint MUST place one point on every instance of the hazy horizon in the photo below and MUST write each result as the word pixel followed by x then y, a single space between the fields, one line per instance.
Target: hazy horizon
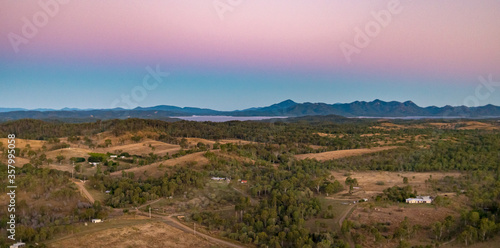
pixel 203 107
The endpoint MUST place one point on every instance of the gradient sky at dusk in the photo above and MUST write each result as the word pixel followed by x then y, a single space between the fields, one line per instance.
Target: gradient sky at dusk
pixel 92 52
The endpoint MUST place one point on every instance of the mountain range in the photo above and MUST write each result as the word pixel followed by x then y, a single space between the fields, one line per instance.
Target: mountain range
pixel 288 108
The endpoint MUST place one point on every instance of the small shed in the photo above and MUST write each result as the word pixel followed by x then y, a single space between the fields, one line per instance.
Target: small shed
pixel 218 178
pixel 96 220
pixel 18 244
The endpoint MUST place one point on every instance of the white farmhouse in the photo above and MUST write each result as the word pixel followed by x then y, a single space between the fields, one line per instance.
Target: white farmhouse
pixel 218 178
pixel 419 199
pixel 96 220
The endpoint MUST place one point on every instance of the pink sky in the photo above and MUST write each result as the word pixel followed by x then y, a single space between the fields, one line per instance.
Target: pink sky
pixel 452 38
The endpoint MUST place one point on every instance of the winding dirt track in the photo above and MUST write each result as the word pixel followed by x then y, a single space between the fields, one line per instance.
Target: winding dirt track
pixel 83 190
pixel 169 220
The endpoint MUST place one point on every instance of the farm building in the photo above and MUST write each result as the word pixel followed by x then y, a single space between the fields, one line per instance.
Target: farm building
pixel 218 178
pixel 19 244
pixel 96 220
pixel 419 199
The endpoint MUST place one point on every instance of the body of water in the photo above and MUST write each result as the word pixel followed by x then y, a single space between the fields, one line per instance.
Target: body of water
pixel 426 117
pixel 227 118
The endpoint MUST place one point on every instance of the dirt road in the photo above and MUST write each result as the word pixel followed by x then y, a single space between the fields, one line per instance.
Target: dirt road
pixel 345 215
pixel 171 221
pixel 341 220
pixel 149 203
pixel 83 190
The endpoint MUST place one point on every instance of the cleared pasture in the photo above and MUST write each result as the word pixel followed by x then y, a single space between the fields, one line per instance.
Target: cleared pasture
pixel 324 156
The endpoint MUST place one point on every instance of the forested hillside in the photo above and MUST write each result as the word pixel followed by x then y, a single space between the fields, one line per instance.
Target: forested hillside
pixel 243 181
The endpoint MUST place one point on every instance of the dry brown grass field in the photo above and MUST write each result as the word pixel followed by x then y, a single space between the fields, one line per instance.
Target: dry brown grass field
pixel 372 134
pixel 69 152
pixel 330 135
pixel 370 182
pixel 467 125
pixel 155 170
pixel 21 143
pixel 464 125
pixel 123 233
pixel 423 215
pixel 388 125
pixel 324 156
pixel 143 147
pixel 392 216
pixel 236 141
pixel 21 161
pixel 471 125
pixel 194 141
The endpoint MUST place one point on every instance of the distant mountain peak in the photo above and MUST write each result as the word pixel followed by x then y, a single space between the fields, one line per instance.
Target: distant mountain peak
pixel 287 102
pixel 279 107
pixel 410 103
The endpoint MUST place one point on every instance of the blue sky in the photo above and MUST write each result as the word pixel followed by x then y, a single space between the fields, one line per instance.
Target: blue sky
pixel 56 87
